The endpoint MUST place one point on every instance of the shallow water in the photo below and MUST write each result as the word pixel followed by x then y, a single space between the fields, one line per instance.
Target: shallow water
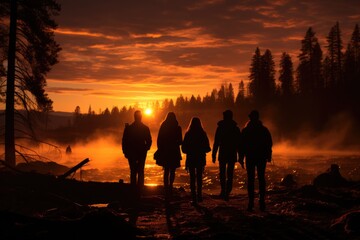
pixel 107 163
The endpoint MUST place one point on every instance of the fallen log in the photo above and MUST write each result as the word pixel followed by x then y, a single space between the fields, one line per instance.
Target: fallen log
pixel 74 169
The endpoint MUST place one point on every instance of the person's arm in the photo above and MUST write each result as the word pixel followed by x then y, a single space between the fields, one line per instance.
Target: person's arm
pixel 179 137
pixel 215 145
pixel 240 150
pixel 124 141
pixel 185 145
pixel 159 141
pixel 207 144
pixel 269 144
pixel 148 139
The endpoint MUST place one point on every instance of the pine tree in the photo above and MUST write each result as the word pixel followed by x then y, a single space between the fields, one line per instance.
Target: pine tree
pixel 308 72
pixel 32 46
pixel 171 105
pixel 255 70
pixel 286 77
pixel 115 111
pixel 352 62
pixel 192 101
pixel 240 97
pixel 317 68
pixel 198 101
pixel 221 94
pixel 334 51
pixel 180 102
pixel 267 76
pixel 230 96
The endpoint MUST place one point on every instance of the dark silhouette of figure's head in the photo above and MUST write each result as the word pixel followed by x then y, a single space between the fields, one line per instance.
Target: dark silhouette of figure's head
pixel 195 124
pixel 254 115
pixel 137 116
pixel 228 115
pixel 170 119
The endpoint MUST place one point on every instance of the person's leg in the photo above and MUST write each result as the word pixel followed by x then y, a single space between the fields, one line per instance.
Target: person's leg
pixel 250 170
pixel 166 178
pixel 230 176
pixel 199 172
pixel 192 183
pixel 133 167
pixel 172 177
pixel 140 171
pixel 222 170
pixel 261 166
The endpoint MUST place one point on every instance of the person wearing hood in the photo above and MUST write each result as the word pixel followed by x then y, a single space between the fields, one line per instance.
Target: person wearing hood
pixel 257 148
pixel 168 142
pixel 227 141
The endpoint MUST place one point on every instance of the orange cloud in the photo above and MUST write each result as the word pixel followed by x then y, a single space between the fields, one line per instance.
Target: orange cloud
pixel 147 49
pixel 85 34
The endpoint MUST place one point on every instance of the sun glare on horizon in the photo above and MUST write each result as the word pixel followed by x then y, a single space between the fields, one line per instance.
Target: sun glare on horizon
pixel 148 112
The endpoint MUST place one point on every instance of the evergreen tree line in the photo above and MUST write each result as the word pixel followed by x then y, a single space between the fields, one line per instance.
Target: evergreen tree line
pixel 337 73
pixel 321 86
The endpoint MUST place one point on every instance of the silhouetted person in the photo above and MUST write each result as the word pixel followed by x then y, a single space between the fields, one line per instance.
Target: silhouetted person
pixel 331 178
pixel 168 143
pixel 227 140
pixel 195 146
pixel 257 147
pixel 68 150
pixel 136 142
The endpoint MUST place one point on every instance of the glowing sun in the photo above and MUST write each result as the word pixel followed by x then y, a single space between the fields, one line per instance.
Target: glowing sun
pixel 148 112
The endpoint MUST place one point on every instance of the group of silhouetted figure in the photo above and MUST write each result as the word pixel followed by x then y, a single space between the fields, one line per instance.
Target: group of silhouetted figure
pixel 231 144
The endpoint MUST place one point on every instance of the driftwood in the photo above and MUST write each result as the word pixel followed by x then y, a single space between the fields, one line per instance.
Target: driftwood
pixel 74 169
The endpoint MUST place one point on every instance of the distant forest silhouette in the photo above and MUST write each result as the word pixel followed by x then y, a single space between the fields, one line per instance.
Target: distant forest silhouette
pixel 323 88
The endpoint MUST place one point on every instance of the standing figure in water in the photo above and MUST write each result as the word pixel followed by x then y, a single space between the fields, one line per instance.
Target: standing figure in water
pixel 136 141
pixel 257 145
pixel 68 150
pixel 169 155
pixel 227 140
pixel 195 146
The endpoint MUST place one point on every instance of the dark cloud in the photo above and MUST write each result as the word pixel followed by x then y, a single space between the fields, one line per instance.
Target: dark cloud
pixel 188 57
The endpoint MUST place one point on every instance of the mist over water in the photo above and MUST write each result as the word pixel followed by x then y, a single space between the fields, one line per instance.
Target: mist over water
pixel 305 155
pixel 107 163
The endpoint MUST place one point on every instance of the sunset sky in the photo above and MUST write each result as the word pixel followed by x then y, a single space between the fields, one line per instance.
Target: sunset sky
pixel 117 53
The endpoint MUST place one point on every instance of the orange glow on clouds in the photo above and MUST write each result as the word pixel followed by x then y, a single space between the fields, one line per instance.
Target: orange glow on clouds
pixel 85 33
pixel 186 47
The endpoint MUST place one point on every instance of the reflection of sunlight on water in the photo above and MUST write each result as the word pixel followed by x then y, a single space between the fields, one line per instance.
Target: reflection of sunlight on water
pixel 152 184
pixel 99 205
pixel 107 163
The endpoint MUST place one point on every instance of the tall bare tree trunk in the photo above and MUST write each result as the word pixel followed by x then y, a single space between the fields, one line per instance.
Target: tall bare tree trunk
pixel 10 91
